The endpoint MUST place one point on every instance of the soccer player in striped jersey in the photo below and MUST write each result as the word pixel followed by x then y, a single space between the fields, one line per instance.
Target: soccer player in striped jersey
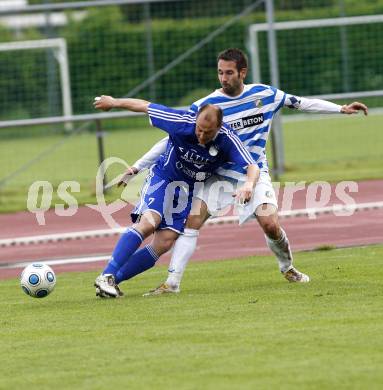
pixel 249 109
pixel 199 143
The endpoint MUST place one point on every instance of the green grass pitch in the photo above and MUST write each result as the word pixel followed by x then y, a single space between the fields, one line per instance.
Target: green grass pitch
pixel 236 325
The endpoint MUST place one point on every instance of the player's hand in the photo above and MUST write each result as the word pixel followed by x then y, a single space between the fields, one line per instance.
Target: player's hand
pixel 104 103
pixel 244 193
pixel 354 108
pixel 127 176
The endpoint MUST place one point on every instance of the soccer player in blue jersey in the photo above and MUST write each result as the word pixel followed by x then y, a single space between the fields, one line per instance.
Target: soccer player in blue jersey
pixel 249 110
pixel 199 143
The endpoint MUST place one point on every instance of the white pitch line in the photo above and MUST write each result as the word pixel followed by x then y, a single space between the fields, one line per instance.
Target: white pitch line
pixel 310 212
pixel 60 237
pixel 73 260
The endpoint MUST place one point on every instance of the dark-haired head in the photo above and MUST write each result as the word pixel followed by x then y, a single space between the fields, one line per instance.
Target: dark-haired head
pixel 232 70
pixel 235 55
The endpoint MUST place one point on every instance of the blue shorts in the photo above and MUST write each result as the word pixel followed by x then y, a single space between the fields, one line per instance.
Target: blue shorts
pixel 170 199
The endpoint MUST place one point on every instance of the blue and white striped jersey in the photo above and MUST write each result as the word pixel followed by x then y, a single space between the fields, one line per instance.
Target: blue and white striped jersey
pixel 249 115
pixel 187 160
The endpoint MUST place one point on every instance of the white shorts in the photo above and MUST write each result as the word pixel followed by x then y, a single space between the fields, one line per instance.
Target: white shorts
pixel 217 193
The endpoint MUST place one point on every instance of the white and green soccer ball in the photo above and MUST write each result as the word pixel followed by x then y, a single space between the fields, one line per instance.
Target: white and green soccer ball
pixel 38 280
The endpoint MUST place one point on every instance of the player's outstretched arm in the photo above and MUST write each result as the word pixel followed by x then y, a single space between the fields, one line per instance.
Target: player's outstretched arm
pixel 245 192
pixel 354 108
pixel 106 103
pixel 320 106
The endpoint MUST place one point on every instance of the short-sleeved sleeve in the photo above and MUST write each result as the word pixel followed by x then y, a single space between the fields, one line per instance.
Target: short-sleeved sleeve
pixel 168 119
pixel 279 98
pixel 193 108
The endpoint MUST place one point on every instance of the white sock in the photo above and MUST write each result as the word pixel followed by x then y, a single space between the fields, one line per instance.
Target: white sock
pixel 182 252
pixel 282 251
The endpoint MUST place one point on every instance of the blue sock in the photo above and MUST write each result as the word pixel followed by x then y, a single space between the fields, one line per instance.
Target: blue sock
pixel 139 262
pixel 126 246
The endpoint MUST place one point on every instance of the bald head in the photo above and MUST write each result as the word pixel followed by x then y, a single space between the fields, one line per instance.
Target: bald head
pixel 208 123
pixel 211 113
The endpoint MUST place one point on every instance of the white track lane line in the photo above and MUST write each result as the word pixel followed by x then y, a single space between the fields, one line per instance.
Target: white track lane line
pixel 310 212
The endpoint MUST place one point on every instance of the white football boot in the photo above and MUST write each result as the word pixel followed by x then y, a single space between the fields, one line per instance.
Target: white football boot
pixel 100 294
pixel 106 286
pixel 295 276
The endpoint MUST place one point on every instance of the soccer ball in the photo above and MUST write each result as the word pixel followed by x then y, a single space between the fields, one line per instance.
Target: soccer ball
pixel 38 280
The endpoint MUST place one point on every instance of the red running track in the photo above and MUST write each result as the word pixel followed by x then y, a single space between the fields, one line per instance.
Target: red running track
pixel 215 243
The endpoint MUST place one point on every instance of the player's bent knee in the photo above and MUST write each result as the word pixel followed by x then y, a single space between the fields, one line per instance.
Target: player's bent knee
pixel 144 230
pixel 194 222
pixel 147 223
pixel 266 210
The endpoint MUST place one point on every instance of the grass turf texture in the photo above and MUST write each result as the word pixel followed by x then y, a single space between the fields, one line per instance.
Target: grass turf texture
pixel 332 149
pixel 236 324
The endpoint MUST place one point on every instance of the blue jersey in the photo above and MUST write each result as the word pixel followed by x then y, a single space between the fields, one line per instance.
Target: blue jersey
pixel 249 115
pixel 187 160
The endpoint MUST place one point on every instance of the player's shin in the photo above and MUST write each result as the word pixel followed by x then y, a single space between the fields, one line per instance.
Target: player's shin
pixel 126 246
pixel 282 251
pixel 140 261
pixel 182 252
